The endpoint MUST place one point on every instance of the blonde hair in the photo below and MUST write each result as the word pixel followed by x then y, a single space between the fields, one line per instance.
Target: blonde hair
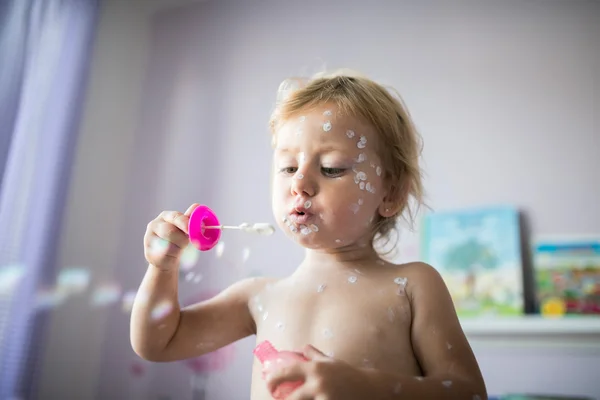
pixel 399 144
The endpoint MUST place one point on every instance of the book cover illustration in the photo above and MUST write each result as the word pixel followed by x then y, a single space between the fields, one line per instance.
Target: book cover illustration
pixel 567 275
pixel 478 253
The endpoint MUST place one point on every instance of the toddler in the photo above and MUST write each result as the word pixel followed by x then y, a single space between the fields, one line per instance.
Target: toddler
pixel 345 169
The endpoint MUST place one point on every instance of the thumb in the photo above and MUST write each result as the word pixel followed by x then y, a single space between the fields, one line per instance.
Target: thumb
pixel 191 209
pixel 312 353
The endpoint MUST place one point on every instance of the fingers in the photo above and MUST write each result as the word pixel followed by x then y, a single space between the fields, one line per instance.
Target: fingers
pixel 292 373
pixel 312 353
pixel 190 210
pixel 176 218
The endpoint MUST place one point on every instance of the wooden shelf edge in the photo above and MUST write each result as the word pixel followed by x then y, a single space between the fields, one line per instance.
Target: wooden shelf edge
pixel 532 325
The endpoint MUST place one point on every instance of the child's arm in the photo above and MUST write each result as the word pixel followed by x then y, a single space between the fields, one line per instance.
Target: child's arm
pixel 159 330
pixel 194 330
pixel 449 366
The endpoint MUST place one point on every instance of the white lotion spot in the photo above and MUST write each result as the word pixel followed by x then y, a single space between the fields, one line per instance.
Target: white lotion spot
pixel 299 175
pixel 360 202
pixel 327 126
pixel 307 204
pixel 354 208
pixel 361 185
pixel 314 228
pixel 327 113
pixel 350 133
pixel 352 279
pixel 321 287
pixel 265 316
pixel 327 333
pixel 378 171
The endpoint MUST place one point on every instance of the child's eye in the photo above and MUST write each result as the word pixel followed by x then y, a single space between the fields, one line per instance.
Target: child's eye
pixel 289 170
pixel 332 172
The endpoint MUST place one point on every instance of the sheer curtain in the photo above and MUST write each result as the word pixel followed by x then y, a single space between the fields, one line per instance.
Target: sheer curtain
pixel 45 47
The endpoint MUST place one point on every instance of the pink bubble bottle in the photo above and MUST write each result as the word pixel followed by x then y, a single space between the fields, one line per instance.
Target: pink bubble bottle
pixel 271 360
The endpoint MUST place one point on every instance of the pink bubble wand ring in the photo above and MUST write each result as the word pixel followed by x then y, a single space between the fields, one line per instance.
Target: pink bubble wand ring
pixel 205 229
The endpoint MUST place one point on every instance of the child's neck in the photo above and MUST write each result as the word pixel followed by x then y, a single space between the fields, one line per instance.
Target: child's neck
pixel 341 258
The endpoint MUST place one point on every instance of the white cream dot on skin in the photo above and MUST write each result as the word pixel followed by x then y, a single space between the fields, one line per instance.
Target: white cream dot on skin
pixel 302 118
pixel 354 208
pixel 352 279
pixel 327 333
pixel 299 175
pixel 161 310
pixel 447 383
pixel 360 202
pixel 378 171
pixel 327 113
pixel 265 316
pixel 314 228
pixel 307 204
pixel 361 185
pixel 391 314
pixel 350 133
pixel 321 287
pixel 327 126
pixel 305 230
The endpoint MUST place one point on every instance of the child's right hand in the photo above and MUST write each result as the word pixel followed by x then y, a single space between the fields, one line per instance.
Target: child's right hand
pixel 166 237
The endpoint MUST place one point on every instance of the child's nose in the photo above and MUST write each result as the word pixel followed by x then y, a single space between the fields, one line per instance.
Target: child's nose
pixel 303 184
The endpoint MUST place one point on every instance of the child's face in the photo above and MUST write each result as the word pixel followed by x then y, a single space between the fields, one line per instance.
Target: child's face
pixel 328 180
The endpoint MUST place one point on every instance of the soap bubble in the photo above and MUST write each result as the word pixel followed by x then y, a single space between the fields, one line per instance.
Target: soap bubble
pixel 189 258
pixel 106 294
pixel 219 248
pixel 9 278
pixel 73 280
pixel 245 254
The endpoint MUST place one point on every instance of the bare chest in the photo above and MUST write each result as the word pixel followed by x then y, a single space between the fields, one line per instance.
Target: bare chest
pixel 361 320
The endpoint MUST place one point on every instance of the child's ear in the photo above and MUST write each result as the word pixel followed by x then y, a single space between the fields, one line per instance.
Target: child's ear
pixel 394 200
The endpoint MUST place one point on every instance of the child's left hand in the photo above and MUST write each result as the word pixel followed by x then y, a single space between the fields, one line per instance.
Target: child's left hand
pixel 324 378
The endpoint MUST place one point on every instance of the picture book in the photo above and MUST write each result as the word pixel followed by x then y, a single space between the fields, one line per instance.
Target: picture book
pixel 478 253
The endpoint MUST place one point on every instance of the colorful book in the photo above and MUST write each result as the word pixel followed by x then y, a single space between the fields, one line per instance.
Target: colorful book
pixel 567 275
pixel 478 253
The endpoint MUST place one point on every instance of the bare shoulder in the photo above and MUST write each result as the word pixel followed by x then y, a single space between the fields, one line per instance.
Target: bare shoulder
pixel 247 288
pixel 419 277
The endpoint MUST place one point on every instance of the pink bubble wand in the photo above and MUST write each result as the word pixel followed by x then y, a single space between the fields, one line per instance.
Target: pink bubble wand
pixel 205 229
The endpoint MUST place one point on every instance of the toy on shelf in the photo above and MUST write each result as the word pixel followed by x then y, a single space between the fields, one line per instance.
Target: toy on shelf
pixel 205 229
pixel 272 359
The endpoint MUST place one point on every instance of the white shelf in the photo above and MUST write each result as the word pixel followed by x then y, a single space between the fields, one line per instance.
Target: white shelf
pixel 532 325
